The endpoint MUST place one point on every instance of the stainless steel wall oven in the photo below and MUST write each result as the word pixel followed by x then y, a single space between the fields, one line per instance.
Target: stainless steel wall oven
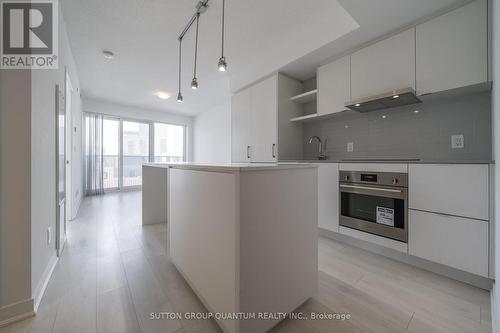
pixel 375 202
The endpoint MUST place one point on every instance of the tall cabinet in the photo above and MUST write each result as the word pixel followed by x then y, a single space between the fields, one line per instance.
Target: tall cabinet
pixel 263 124
pixel 256 114
pixel 254 119
pixel 240 126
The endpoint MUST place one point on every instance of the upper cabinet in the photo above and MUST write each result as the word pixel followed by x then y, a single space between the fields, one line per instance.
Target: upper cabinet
pixel 384 66
pixel 334 86
pixel 452 49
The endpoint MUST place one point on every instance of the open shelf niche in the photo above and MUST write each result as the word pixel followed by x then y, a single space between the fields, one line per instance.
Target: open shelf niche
pixel 307 99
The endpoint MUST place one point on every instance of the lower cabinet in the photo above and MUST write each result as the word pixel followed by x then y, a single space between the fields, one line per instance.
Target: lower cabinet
pixel 457 242
pixel 328 196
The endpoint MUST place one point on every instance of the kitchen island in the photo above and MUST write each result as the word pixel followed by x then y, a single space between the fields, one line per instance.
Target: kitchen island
pixel 244 236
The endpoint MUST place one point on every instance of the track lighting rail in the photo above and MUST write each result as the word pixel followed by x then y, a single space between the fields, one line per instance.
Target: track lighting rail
pixel 201 7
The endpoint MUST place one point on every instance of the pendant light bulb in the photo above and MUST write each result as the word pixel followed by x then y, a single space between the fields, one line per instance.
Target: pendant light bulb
pixel 222 64
pixel 222 60
pixel 179 95
pixel 194 83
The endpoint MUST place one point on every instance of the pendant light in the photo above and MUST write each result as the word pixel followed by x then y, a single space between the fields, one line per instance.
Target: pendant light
pixel 179 95
pixel 194 82
pixel 201 7
pixel 222 60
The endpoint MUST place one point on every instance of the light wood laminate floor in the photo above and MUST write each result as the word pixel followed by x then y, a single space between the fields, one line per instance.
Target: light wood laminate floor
pixel 114 273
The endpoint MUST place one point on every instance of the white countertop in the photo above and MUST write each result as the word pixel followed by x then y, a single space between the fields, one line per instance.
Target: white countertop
pixel 232 167
pixel 393 161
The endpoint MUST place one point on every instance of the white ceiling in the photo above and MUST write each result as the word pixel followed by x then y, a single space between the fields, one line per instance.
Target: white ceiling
pixel 263 36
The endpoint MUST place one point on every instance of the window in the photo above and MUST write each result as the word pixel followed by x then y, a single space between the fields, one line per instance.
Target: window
pixel 135 151
pixel 168 143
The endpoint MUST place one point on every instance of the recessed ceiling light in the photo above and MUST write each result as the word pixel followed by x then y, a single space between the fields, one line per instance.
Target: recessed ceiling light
pixel 357 104
pixel 416 111
pixel 384 116
pixel 162 94
pixel 108 54
pixel 395 96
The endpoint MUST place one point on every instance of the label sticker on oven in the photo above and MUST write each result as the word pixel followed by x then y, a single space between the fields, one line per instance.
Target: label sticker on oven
pixel 385 216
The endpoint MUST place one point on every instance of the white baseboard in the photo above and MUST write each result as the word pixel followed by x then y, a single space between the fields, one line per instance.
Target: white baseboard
pixel 44 281
pixel 494 311
pixel 466 277
pixel 16 312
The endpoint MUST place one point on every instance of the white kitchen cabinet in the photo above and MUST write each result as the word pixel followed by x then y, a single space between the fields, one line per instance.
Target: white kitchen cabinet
pixel 449 240
pixel 334 86
pixel 452 49
pixel 455 189
pixel 240 129
pixel 384 66
pixel 263 128
pixel 254 123
pixel 328 196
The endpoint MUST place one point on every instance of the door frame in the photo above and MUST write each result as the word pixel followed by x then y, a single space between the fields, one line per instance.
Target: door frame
pixel 60 192
pixel 68 94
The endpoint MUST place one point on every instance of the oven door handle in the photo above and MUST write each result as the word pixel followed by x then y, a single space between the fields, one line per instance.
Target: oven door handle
pixel 371 188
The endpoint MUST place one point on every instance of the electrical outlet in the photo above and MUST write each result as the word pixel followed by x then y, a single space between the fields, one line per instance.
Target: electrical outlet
pixel 49 235
pixel 350 147
pixel 457 141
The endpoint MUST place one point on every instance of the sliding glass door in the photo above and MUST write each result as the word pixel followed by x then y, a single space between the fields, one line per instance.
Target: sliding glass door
pixel 168 143
pixel 135 143
pixel 123 145
pixel 111 153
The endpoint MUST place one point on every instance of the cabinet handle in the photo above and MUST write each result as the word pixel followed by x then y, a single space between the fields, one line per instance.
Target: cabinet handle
pixel 248 152
pixel 274 150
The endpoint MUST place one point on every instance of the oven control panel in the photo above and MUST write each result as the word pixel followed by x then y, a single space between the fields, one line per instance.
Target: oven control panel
pixel 375 178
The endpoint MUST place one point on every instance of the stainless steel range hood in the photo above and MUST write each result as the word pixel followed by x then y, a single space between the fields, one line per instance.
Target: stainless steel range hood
pixel 391 99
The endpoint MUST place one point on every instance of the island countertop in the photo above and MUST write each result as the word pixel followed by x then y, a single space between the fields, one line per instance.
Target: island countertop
pixel 231 167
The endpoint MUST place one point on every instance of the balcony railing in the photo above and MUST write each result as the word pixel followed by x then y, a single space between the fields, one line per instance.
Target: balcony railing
pixel 132 169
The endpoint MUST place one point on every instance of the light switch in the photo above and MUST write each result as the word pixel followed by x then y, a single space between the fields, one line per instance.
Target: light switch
pixel 49 235
pixel 457 141
pixel 350 147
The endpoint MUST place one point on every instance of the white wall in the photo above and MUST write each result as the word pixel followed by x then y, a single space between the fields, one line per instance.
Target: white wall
pixel 15 150
pixel 212 135
pixel 126 111
pixel 27 178
pixel 43 158
pixel 496 156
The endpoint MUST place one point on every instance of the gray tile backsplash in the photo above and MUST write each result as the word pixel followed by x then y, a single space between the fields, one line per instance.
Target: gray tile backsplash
pixel 405 133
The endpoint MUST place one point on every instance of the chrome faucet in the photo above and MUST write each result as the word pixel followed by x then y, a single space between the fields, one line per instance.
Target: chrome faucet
pixel 321 154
